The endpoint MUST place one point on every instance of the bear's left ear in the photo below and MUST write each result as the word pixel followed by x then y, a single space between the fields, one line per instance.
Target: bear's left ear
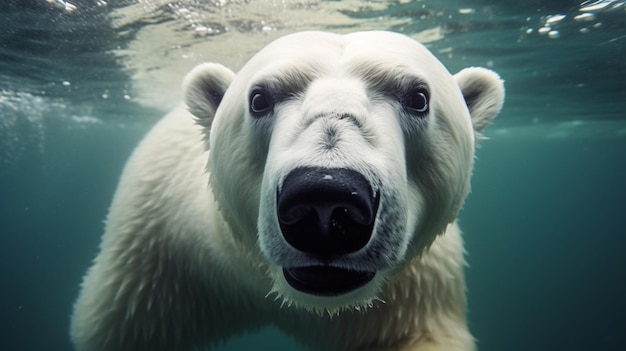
pixel 203 89
pixel 483 91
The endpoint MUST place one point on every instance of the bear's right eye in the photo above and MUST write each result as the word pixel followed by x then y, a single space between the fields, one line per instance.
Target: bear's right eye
pixel 260 102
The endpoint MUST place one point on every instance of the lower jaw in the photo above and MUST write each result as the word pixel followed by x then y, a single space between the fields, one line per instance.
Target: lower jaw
pixel 326 281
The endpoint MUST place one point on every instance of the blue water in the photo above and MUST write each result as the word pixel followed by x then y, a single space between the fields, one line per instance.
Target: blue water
pixel 80 84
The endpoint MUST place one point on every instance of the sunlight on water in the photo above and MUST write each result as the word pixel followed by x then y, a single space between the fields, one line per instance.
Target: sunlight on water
pixel 228 32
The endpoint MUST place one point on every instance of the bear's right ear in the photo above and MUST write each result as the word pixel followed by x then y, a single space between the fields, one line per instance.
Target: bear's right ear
pixel 203 89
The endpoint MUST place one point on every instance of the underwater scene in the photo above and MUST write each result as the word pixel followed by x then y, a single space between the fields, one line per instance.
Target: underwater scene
pixel 82 81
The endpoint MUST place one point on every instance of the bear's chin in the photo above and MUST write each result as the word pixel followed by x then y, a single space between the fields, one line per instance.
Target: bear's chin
pixel 326 281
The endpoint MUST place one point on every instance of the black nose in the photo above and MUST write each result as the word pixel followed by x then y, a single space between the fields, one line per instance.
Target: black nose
pixel 326 211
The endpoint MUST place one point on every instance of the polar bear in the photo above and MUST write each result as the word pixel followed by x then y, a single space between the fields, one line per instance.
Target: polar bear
pixel 316 191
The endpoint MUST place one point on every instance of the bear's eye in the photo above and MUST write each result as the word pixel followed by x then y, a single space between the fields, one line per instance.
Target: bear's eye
pixel 417 101
pixel 260 103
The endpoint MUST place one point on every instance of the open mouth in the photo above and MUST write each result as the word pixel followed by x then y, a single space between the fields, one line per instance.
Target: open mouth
pixel 325 280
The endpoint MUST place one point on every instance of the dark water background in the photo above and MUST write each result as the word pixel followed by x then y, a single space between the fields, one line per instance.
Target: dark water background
pixel 542 227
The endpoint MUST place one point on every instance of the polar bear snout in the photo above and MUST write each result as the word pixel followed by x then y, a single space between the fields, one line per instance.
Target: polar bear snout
pixel 326 212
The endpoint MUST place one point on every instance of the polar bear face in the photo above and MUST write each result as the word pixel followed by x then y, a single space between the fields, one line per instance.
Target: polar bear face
pixel 340 158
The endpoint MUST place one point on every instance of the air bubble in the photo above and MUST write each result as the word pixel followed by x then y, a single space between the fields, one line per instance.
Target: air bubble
pixel 585 17
pixel 544 30
pixel 468 11
pixel 555 19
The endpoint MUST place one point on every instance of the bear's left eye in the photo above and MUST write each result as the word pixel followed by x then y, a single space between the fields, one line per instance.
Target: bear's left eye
pixel 417 101
pixel 260 102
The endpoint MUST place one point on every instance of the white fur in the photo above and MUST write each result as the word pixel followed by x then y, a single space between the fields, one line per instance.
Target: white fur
pixel 185 265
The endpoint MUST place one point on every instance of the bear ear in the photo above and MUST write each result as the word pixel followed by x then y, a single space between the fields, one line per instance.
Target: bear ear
pixel 483 91
pixel 203 89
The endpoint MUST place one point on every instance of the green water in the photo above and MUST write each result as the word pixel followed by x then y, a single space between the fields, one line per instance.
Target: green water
pixel 542 226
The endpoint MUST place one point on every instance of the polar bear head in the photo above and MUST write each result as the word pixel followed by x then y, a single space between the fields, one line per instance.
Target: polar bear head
pixel 338 158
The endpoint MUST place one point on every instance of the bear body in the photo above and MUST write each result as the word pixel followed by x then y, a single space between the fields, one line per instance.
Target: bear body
pixel 315 190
